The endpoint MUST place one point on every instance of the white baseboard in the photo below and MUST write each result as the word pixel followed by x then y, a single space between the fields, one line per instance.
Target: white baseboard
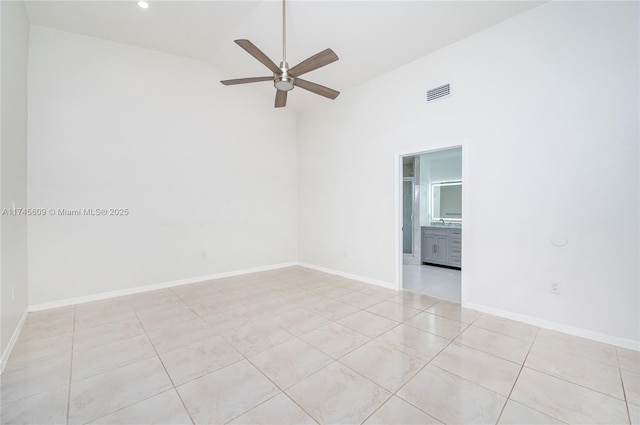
pixel 12 341
pixel 554 326
pixel 153 287
pixel 369 280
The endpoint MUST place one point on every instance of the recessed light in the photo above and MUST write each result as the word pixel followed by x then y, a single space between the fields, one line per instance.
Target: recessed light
pixel 143 4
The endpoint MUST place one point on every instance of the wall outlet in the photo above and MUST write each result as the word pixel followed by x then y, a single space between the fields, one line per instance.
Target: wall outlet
pixel 203 254
pixel 555 288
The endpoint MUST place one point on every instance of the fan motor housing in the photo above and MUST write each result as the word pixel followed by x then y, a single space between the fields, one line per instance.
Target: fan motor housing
pixel 283 82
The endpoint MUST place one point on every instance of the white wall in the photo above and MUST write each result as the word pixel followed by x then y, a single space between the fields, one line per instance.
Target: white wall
pixel 200 166
pixel 13 154
pixel 547 106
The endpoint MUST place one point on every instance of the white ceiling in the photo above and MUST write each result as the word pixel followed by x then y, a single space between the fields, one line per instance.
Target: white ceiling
pixel 370 37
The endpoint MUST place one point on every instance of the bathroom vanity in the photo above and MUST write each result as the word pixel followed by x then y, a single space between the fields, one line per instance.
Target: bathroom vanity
pixel 441 245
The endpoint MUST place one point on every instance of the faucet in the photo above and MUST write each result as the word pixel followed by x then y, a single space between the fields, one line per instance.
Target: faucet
pixel 442 220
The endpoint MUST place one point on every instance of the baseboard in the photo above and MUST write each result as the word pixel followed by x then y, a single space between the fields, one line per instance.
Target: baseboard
pixel 554 326
pixel 348 275
pixel 12 342
pixel 153 287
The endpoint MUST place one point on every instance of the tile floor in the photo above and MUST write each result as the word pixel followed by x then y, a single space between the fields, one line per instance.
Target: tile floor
pixel 296 346
pixel 439 282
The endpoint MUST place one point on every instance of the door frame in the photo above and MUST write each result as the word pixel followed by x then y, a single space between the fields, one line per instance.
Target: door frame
pixel 398 179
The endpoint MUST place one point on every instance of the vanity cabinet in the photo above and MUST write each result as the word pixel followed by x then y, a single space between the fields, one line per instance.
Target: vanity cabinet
pixel 441 245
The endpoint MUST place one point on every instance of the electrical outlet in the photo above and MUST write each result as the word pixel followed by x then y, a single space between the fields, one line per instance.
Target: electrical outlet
pixel 555 288
pixel 203 254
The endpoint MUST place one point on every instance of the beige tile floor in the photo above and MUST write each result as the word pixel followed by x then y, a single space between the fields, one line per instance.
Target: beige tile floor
pixel 296 346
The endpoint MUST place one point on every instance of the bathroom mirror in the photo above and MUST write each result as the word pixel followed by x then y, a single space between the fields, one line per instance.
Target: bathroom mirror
pixel 446 201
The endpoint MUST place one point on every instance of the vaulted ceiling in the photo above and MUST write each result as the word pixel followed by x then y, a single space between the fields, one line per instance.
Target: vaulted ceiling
pixel 370 37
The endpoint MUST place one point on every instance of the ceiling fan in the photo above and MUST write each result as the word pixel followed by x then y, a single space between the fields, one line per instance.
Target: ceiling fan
pixel 285 78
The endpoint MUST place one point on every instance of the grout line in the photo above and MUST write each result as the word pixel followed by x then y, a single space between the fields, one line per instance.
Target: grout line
pixel 163 366
pixel 415 374
pixel 624 390
pixel 73 334
pixel 518 376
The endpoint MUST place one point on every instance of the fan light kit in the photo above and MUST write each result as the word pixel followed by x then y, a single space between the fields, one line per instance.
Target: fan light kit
pixel 285 79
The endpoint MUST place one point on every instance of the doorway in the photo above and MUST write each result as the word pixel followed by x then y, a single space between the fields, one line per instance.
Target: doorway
pixel 430 204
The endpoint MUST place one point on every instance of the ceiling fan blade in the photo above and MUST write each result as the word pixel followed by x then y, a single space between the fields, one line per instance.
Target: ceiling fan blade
pixel 245 80
pixel 281 98
pixel 316 61
pixel 316 88
pixel 257 53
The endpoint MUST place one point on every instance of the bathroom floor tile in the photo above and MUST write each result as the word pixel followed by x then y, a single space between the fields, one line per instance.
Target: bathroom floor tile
pixel 338 395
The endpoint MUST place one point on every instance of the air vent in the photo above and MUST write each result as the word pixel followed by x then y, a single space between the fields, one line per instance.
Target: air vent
pixel 438 92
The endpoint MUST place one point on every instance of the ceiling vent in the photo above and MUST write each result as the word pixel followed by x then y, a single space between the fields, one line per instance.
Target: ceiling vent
pixel 438 92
